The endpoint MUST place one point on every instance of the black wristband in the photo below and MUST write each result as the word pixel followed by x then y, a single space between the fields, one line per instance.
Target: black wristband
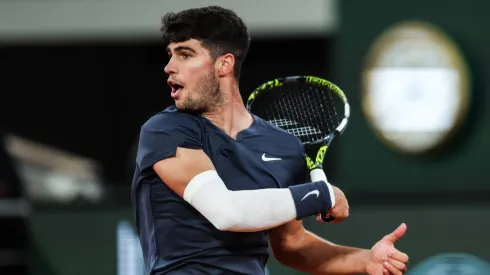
pixel 311 199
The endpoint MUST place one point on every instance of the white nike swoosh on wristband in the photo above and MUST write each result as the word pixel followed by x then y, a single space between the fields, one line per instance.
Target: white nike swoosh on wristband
pixel 314 192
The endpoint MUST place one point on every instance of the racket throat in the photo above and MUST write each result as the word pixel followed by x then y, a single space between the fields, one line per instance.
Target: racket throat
pixel 318 161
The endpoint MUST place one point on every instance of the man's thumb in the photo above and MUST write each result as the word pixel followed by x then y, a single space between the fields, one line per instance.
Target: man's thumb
pixel 397 234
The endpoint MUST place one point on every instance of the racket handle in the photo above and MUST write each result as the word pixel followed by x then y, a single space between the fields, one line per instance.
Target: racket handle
pixel 326 218
pixel 318 174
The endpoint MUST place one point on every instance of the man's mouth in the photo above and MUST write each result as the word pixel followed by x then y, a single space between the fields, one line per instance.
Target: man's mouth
pixel 176 88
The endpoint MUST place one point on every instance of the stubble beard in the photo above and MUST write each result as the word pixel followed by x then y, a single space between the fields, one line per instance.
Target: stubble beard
pixel 207 97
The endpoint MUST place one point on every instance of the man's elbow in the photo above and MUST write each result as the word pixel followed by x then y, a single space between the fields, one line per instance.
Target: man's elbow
pixel 222 213
pixel 226 221
pixel 226 217
pixel 285 250
pixel 233 222
pixel 286 257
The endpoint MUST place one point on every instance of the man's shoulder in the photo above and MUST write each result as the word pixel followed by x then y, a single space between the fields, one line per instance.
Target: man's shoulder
pixel 171 118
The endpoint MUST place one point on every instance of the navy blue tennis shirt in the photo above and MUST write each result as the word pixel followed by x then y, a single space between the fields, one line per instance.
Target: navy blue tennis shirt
pixel 176 238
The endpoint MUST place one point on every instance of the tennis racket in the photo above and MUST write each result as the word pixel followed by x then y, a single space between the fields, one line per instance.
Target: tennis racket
pixel 313 109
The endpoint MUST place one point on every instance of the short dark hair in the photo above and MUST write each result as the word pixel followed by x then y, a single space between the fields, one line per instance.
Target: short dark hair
pixel 220 31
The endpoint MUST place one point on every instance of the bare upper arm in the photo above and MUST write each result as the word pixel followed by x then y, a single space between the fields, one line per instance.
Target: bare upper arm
pixel 176 172
pixel 286 237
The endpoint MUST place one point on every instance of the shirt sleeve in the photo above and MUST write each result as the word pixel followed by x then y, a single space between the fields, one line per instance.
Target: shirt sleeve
pixel 162 134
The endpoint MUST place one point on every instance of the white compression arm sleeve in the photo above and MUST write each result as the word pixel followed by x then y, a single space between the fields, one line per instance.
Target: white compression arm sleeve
pixel 243 211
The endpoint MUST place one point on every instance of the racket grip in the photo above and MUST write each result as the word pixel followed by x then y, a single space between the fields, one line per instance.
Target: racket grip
pixel 326 218
pixel 318 174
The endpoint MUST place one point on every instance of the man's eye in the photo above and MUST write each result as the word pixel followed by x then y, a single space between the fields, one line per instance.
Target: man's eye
pixel 185 55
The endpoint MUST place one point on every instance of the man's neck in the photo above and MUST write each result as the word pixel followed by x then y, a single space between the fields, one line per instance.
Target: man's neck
pixel 232 117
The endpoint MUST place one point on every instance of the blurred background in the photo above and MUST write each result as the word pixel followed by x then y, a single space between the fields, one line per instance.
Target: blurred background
pixel 79 78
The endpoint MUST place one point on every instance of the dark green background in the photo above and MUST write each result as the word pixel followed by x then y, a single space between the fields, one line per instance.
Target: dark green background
pixel 377 169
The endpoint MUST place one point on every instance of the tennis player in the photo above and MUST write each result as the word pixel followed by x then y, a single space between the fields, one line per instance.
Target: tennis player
pixel 214 183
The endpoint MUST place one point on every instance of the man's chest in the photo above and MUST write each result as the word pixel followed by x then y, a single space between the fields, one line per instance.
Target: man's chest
pixel 252 164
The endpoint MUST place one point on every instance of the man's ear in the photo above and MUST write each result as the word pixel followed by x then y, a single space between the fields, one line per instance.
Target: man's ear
pixel 225 64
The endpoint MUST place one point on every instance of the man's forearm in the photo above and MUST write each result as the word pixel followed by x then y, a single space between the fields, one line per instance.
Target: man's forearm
pixel 253 210
pixel 317 256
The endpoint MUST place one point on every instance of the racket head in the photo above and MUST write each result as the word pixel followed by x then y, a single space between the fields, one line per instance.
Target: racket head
pixel 313 109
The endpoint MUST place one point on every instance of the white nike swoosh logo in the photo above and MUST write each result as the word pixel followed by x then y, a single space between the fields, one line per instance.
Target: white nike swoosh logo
pixel 264 158
pixel 314 192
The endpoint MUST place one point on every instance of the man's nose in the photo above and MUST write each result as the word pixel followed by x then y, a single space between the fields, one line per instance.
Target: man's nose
pixel 170 68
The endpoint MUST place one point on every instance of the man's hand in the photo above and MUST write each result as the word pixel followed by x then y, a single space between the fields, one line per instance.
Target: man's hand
pixel 385 258
pixel 341 209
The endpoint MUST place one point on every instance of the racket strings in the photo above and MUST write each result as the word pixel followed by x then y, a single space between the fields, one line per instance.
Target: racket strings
pixel 308 112
pixel 332 112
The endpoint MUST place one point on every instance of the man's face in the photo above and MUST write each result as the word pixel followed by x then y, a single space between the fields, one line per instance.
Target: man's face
pixel 192 77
